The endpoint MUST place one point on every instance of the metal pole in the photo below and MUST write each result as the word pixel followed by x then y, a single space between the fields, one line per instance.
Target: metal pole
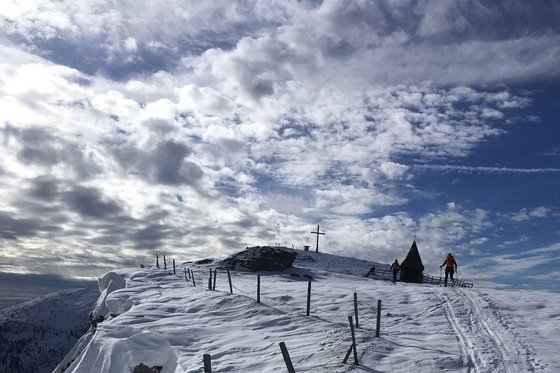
pixel 353 341
pixel 207 359
pixel 258 288
pixel 308 297
pixel 378 324
pixel 356 308
pixel 287 359
pixel 214 285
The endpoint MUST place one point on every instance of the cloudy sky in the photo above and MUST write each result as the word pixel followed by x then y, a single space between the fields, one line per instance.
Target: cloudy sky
pixel 194 129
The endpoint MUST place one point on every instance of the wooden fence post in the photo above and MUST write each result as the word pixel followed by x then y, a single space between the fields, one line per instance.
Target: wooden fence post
pixel 258 288
pixel 229 279
pixel 186 279
pixel 174 266
pixel 308 298
pixel 353 346
pixel 214 285
pixel 356 309
pixel 210 280
pixel 353 341
pixel 287 359
pixel 157 261
pixel 193 281
pixel 207 359
pixel 164 263
pixel 378 324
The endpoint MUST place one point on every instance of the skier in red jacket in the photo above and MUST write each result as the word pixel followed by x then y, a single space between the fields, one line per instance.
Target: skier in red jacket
pixel 450 267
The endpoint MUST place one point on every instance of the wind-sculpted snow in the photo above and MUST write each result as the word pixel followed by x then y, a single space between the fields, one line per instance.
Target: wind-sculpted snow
pixel 164 320
pixel 106 305
pixel 111 281
pixel 117 350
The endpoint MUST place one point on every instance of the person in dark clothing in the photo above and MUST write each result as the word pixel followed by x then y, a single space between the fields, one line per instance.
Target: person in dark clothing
pixel 450 267
pixel 395 267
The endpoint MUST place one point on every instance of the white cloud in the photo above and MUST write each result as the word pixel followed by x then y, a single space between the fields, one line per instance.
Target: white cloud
pixel 452 225
pixel 548 277
pixel 115 103
pixel 485 169
pixel 506 266
pixel 356 43
pixel 265 117
pixel 393 170
pixel 479 241
pixel 335 148
pixel 554 152
pixel 130 45
pixel 526 214
pixel 391 236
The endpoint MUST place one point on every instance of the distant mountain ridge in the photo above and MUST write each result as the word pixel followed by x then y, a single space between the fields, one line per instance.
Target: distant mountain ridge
pixel 35 335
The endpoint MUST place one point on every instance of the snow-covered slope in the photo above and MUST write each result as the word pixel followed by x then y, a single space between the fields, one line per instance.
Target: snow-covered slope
pixel 162 320
pixel 35 335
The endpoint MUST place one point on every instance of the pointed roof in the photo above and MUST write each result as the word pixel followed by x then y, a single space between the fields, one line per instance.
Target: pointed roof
pixel 413 259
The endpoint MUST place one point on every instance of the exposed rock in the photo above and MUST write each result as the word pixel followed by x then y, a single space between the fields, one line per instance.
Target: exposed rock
pixel 261 258
pixel 141 368
pixel 305 276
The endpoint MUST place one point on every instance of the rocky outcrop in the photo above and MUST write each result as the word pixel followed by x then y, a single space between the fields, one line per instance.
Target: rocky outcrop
pixel 141 368
pixel 261 258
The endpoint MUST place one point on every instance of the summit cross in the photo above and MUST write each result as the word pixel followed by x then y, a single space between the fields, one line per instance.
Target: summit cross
pixel 317 233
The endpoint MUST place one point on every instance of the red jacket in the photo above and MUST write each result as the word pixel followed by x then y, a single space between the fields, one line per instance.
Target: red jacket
pixel 449 262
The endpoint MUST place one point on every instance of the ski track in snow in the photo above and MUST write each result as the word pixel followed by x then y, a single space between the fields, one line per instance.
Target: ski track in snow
pixel 466 348
pixel 485 337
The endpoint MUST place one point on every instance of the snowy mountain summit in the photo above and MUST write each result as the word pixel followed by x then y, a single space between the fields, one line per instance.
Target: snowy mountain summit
pixel 152 320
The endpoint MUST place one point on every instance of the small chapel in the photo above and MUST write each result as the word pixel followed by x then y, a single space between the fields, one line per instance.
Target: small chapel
pixel 412 267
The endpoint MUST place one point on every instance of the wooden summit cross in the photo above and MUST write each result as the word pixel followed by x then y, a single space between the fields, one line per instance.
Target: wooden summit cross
pixel 317 233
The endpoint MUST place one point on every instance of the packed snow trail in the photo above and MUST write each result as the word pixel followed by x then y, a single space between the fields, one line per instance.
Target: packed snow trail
pixel 466 347
pixel 484 338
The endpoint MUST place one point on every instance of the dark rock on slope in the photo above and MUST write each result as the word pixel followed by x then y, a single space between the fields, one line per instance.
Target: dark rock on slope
pixel 261 258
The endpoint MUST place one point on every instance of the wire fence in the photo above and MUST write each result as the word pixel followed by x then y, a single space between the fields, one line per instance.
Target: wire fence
pixel 244 284
pixel 247 281
pixel 424 279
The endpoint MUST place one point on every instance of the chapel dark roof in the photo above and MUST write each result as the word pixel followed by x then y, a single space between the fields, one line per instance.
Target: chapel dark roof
pixel 413 259
pixel 412 267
